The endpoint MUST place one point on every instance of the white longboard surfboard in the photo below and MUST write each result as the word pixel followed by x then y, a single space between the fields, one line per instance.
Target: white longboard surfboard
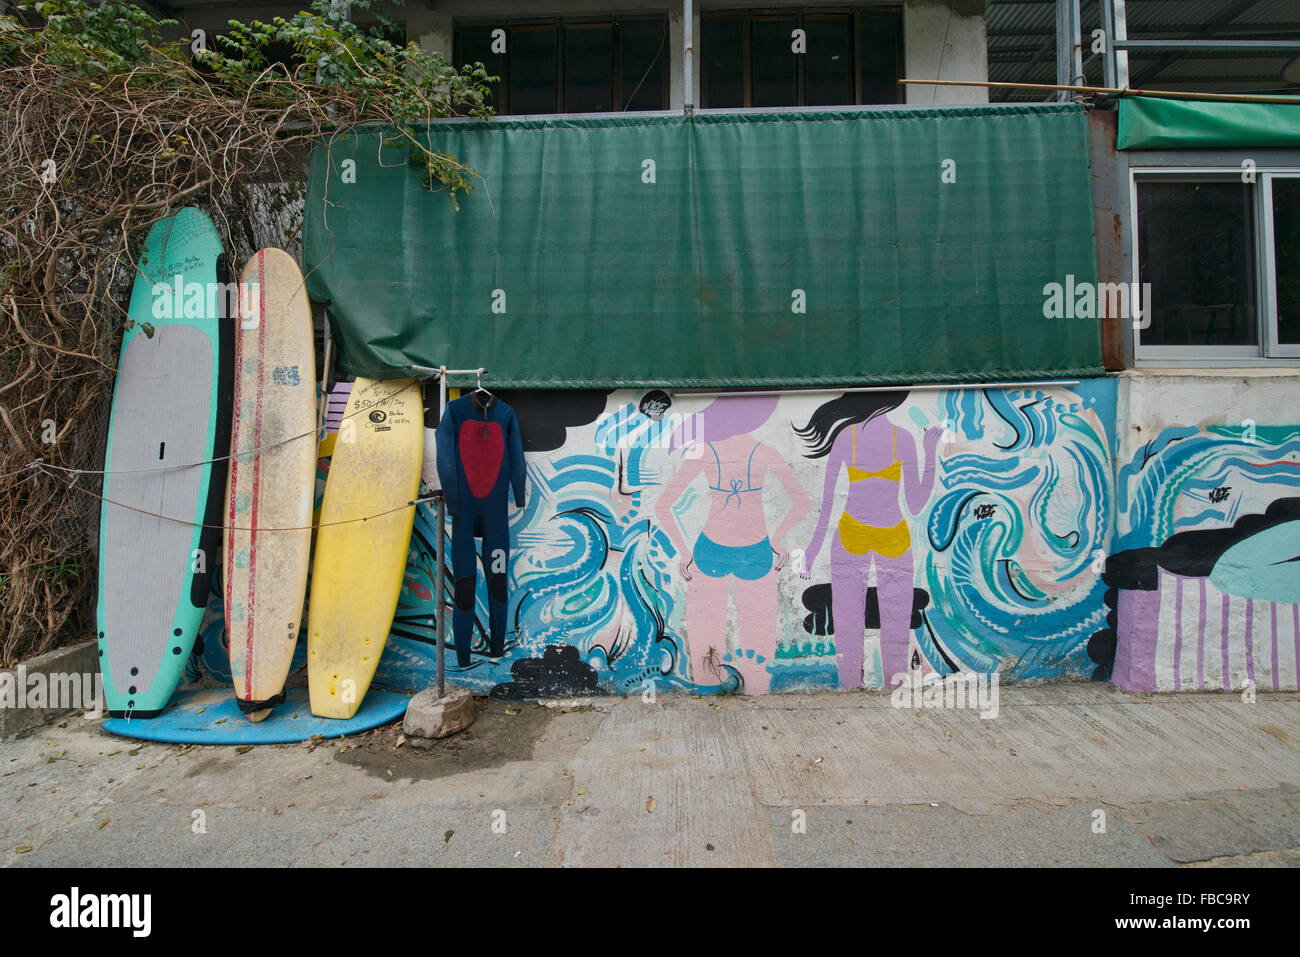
pixel 272 479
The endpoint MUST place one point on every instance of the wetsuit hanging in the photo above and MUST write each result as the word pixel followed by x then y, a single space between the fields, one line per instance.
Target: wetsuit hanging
pixel 480 457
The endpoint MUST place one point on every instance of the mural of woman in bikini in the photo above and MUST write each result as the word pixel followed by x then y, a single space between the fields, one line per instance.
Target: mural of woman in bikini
pixel 735 551
pixel 854 434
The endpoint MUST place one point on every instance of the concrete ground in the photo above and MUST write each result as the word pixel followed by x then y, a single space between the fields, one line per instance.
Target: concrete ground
pixel 825 779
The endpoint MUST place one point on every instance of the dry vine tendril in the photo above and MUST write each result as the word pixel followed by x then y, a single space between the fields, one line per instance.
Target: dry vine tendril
pixel 109 128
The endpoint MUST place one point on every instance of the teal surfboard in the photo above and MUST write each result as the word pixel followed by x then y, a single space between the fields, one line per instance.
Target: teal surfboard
pixel 170 417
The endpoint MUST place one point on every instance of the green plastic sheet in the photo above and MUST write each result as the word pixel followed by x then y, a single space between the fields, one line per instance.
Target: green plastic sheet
pixel 729 249
pixel 1150 123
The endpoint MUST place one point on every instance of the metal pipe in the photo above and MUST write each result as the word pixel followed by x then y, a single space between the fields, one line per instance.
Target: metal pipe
pixel 688 55
pixel 1207 45
pixel 439 584
pixel 1076 44
pixel 444 371
pixel 1068 60
pixel 1107 31
pixel 1119 22
pixel 441 539
pixel 323 403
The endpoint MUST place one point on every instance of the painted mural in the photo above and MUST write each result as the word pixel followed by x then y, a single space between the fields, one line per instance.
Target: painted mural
pixel 837 540
pixel 800 541
pixel 1204 585
pixel 771 543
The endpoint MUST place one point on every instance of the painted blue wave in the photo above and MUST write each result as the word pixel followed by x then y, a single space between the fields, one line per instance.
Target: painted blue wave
pixel 1183 465
pixel 987 609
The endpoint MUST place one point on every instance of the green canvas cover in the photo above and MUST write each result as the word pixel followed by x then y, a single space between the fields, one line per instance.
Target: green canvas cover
pixel 722 249
pixel 1151 123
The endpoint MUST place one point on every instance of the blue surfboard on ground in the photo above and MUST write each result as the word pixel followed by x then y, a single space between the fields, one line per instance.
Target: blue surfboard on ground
pixel 170 418
pixel 211 716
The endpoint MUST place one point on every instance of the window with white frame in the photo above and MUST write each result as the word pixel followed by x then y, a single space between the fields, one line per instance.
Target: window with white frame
pixel 1217 255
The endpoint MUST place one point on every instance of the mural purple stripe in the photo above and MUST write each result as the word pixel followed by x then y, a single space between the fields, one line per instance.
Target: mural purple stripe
pixel 1250 648
pixel 1295 623
pixel 1250 611
pixel 1202 613
pixel 1225 626
pixel 1274 616
pixel 1149 602
pixel 1178 633
pixel 1138 614
pixel 1126 606
pixel 1225 629
pixel 1225 635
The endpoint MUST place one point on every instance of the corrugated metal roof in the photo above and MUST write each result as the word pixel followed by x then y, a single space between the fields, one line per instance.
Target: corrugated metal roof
pixel 1019 28
pixel 1185 15
pixel 1272 12
pixel 1174 17
pixel 1013 15
pixel 1263 67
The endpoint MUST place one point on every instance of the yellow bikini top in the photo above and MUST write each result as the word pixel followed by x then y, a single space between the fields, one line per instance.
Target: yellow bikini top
pixel 890 473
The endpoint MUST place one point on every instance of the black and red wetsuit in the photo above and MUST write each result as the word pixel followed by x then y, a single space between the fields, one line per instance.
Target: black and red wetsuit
pixel 480 456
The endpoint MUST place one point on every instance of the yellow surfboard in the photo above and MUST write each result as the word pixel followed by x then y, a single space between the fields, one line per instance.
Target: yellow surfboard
pixel 271 480
pixel 359 565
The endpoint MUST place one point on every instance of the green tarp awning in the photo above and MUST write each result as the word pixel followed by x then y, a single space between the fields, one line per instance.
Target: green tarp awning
pixel 1151 123
pixel 884 246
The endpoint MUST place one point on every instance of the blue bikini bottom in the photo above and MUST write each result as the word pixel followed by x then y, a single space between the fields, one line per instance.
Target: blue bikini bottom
pixel 747 562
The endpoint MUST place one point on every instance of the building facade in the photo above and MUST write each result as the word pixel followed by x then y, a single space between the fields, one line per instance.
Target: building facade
pixel 827 379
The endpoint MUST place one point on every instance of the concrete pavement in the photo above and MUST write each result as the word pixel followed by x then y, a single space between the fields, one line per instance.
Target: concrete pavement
pixel 826 779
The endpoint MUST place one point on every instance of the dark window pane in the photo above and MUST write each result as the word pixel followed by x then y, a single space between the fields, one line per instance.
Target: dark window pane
pixel 724 63
pixel 1196 249
pixel 774 63
pixel 828 65
pixel 1286 252
pixel 532 70
pixel 645 60
pixel 474 45
pixel 588 69
pixel 878 58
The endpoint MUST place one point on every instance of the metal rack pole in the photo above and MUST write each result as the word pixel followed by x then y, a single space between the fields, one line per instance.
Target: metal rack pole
pixel 442 552
pixel 440 537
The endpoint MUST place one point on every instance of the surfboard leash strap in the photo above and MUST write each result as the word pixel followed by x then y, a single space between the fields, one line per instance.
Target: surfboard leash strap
pixel 252 707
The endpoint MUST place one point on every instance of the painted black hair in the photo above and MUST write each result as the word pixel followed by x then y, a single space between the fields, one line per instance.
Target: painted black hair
pixel 849 409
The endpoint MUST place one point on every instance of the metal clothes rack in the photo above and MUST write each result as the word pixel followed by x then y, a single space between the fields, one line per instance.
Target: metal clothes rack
pixel 440 536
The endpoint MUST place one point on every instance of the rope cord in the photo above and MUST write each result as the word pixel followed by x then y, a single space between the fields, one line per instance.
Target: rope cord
pixel 260 528
pixel 41 464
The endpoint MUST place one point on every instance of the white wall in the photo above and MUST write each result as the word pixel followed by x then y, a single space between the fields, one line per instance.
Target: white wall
pixel 945 40
pixel 432 29
pixel 1152 400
